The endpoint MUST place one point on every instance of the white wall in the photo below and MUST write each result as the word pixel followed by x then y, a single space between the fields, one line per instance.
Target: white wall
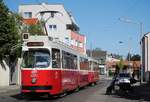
pixel 148 68
pixel 146 49
pixel 4 74
pixel 60 19
pixel 18 69
pixel 146 56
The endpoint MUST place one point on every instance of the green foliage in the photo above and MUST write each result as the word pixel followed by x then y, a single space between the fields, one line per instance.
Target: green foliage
pixel 120 66
pixel 98 49
pixel 35 29
pixel 135 57
pixel 110 73
pixel 117 56
pixel 8 31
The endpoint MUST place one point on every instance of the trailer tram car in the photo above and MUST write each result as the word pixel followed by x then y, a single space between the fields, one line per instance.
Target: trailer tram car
pixel 50 67
pixel 93 75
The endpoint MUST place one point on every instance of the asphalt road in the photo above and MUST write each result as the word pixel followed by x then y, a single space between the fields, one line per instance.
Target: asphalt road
pixel 88 94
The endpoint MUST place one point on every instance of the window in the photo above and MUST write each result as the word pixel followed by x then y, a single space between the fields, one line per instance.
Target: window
pixel 52 27
pixel 55 58
pixel 124 75
pixel 75 60
pixel 72 42
pixel 66 58
pixel 67 40
pixel 69 60
pixel 80 44
pixel 95 66
pixel 36 58
pixel 76 43
pixel 84 64
pixel 27 14
pixel 90 65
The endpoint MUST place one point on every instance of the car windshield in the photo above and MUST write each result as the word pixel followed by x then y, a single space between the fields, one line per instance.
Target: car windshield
pixel 36 58
pixel 124 75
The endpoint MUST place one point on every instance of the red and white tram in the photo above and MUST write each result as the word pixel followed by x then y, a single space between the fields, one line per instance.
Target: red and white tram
pixel 54 68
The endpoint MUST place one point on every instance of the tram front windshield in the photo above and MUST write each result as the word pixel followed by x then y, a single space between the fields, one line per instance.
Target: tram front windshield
pixel 36 58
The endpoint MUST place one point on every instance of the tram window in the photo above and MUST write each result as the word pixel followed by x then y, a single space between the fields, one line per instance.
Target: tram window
pixel 55 58
pixel 63 59
pixel 69 60
pixel 66 60
pixel 95 66
pixel 84 65
pixel 36 58
pixel 89 65
pixel 75 62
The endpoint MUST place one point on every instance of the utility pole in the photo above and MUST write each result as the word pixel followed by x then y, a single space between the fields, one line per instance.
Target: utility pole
pixel 91 50
pixel 129 53
pixel 141 66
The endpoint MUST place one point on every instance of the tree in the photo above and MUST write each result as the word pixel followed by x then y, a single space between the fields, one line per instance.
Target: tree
pixel 35 29
pixel 117 56
pixel 135 57
pixel 97 49
pixel 120 66
pixel 128 57
pixel 8 31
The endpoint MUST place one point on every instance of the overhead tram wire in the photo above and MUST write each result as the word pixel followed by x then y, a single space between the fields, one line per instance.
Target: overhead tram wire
pixel 55 15
pixel 51 14
pixel 50 10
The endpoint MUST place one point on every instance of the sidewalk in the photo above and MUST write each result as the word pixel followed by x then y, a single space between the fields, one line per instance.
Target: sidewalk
pixel 142 91
pixel 5 89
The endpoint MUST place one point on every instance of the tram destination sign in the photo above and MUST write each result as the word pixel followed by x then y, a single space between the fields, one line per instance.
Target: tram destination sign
pixel 35 44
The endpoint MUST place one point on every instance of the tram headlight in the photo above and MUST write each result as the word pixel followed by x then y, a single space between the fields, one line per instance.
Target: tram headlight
pixel 34 80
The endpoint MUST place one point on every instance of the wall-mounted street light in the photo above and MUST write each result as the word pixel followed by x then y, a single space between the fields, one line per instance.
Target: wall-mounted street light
pixel 140 24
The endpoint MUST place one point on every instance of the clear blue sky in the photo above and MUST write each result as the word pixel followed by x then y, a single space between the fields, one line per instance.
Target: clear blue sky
pixel 98 20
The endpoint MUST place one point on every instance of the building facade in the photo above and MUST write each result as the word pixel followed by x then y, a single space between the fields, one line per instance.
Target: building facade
pixel 58 23
pixel 145 45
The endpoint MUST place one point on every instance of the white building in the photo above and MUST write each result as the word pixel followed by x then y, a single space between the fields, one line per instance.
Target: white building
pixel 59 23
pixel 145 44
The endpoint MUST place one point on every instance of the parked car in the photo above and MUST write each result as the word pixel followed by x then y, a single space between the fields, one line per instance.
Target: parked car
pixel 122 81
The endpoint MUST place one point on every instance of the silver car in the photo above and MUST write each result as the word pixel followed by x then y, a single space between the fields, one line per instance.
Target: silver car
pixel 123 81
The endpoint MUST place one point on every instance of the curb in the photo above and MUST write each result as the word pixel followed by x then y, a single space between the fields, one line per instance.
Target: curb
pixel 5 89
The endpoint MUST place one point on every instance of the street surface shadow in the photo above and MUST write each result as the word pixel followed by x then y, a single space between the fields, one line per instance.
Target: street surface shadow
pixel 140 92
pixel 33 98
pixel 36 97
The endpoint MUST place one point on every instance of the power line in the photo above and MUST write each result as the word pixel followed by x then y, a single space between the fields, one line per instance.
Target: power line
pixel 55 15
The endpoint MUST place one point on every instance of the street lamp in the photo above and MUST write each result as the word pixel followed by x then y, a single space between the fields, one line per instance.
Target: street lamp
pixel 140 24
pixel 119 49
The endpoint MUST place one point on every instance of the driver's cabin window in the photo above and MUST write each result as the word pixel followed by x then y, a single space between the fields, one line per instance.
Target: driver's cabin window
pixel 55 58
